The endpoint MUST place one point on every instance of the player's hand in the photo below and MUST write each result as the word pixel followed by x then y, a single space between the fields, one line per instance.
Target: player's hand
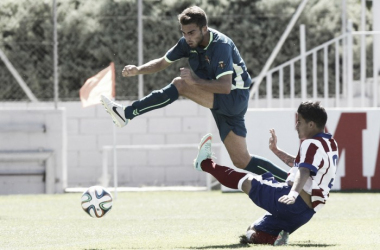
pixel 186 75
pixel 272 140
pixel 130 70
pixel 287 199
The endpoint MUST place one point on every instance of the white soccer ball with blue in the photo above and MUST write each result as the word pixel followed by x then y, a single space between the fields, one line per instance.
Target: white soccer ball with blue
pixel 96 201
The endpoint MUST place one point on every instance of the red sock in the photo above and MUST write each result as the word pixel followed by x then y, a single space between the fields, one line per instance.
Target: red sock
pixel 225 175
pixel 260 237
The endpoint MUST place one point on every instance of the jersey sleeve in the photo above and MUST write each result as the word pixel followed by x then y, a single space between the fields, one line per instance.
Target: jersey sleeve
pixel 223 61
pixel 310 158
pixel 178 51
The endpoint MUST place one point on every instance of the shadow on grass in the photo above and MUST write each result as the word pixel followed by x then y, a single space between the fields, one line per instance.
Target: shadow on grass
pixel 235 246
pixel 309 244
pixel 231 246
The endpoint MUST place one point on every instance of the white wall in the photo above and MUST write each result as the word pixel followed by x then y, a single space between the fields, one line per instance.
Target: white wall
pixel 89 129
pixel 33 141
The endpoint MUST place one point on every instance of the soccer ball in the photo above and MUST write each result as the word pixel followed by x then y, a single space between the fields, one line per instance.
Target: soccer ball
pixel 96 201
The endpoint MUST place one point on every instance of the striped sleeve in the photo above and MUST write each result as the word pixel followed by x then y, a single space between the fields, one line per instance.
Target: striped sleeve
pixel 309 157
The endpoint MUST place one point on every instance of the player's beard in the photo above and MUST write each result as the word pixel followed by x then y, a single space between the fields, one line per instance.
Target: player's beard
pixel 199 42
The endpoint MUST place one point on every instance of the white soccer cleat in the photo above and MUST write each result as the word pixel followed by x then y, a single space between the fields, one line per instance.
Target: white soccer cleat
pixel 282 239
pixel 115 110
pixel 204 151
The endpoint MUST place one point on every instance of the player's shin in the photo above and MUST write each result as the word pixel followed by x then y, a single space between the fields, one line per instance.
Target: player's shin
pixel 155 100
pixel 225 175
pixel 259 165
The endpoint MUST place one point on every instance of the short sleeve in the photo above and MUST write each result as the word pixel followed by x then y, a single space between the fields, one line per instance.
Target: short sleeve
pixel 178 51
pixel 309 157
pixel 312 168
pixel 224 61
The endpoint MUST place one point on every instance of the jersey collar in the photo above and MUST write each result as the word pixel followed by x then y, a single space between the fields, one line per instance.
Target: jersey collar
pixel 324 135
pixel 211 38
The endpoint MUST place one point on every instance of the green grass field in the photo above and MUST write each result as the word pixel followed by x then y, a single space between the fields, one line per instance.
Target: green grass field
pixel 178 220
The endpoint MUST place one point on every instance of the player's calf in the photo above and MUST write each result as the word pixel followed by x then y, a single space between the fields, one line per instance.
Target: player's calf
pixel 155 100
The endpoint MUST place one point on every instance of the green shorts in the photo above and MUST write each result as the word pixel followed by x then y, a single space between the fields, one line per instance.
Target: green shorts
pixel 229 111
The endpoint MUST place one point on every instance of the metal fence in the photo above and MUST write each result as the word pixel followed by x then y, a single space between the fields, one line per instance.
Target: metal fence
pixel 31 53
pixel 28 44
pixel 27 66
pixel 351 83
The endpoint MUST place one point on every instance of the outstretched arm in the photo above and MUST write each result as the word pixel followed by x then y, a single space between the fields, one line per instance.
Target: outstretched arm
pixel 285 157
pixel 147 68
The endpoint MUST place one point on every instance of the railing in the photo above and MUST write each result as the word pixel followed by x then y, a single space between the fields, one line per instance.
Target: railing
pixel 109 148
pixel 347 92
pixel 28 156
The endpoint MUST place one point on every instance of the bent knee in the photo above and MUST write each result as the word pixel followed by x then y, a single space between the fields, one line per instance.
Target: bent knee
pixel 240 162
pixel 177 80
pixel 180 84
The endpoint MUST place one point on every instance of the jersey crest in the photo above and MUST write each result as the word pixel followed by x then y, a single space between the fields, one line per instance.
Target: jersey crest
pixel 207 59
pixel 221 64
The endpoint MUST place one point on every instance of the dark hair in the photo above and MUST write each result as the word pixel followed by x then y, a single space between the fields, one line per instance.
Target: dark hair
pixel 313 111
pixel 193 14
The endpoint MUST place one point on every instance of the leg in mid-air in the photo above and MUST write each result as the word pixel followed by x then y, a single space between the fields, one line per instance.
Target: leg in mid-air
pixel 121 115
pixel 237 149
pixel 229 115
pixel 225 175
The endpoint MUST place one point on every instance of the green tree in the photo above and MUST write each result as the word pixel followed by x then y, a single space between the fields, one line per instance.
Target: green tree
pixel 94 33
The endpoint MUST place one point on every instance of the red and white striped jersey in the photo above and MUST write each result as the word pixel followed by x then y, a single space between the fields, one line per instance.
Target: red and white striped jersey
pixel 320 155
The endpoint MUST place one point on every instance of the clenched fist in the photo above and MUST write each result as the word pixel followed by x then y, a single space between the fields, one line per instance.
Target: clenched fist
pixel 130 70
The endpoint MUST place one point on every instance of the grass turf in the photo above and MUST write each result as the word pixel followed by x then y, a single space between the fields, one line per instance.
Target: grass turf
pixel 178 220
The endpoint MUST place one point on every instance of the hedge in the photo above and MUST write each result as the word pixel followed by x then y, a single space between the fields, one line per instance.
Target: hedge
pixel 94 33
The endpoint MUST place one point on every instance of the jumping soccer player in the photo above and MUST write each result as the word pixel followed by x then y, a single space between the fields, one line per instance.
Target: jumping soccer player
pixel 289 204
pixel 218 80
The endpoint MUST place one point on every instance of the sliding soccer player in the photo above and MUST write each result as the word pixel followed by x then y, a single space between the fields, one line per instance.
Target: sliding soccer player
pixel 289 204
